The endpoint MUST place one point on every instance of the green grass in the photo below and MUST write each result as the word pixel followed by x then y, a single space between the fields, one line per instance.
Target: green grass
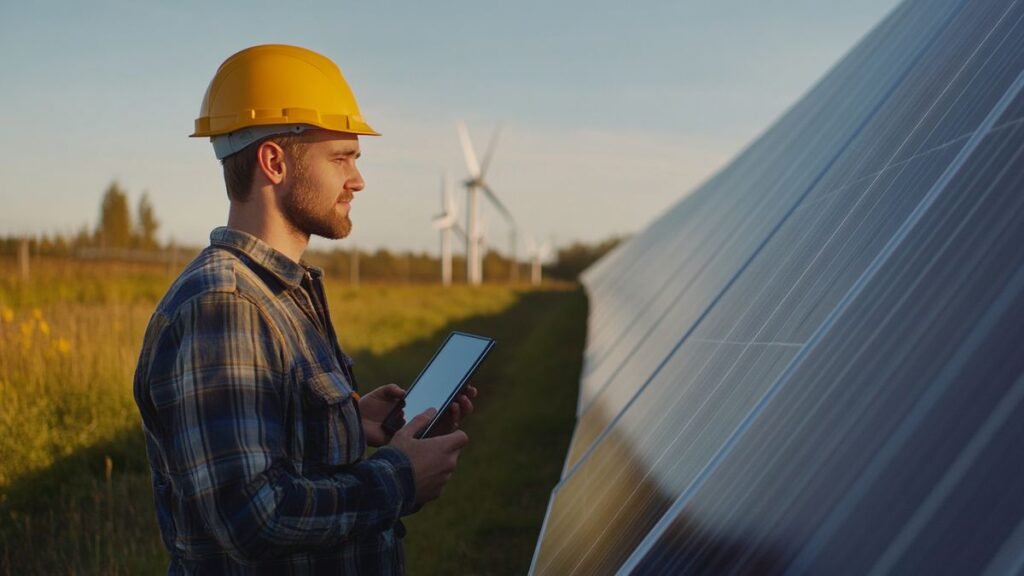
pixel 491 513
pixel 74 482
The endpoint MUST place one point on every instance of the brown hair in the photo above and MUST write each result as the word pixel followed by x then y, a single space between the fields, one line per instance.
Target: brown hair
pixel 240 167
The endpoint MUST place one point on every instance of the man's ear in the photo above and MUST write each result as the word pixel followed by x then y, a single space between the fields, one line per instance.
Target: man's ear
pixel 270 161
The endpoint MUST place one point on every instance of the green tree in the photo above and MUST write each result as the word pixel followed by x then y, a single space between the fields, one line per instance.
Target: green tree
pixel 577 257
pixel 115 226
pixel 147 223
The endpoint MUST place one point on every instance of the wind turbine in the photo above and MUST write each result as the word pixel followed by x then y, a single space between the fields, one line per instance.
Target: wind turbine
pixel 536 255
pixel 482 247
pixel 475 182
pixel 446 222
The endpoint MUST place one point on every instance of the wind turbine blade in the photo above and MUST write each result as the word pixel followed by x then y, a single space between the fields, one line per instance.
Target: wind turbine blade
pixel 467 151
pixel 490 151
pixel 444 191
pixel 449 198
pixel 497 203
pixel 444 221
pixel 481 230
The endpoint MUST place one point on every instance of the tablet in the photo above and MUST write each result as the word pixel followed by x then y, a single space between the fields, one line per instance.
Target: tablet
pixel 441 380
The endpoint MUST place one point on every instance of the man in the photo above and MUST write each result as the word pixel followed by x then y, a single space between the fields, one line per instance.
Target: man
pixel 255 432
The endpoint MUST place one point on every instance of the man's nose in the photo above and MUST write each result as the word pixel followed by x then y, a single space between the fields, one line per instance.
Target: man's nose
pixel 356 183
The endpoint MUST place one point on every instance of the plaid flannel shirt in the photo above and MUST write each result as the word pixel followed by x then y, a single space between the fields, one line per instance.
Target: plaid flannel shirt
pixel 253 434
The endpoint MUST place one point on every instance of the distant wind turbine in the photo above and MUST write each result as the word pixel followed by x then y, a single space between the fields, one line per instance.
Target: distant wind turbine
pixel 537 253
pixel 447 222
pixel 476 182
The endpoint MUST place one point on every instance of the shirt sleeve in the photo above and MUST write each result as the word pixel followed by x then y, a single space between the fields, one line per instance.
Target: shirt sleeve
pixel 215 382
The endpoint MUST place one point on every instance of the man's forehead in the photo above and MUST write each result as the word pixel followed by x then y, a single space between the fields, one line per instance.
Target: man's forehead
pixel 336 142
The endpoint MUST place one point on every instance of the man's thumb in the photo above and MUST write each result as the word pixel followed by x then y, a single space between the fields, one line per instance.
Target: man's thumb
pixel 419 422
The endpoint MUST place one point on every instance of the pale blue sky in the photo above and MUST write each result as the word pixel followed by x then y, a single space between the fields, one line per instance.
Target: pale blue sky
pixel 611 111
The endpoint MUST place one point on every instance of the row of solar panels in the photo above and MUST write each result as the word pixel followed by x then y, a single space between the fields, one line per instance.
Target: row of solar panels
pixel 814 363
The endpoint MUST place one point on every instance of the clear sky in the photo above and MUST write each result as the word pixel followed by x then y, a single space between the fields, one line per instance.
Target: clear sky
pixel 611 111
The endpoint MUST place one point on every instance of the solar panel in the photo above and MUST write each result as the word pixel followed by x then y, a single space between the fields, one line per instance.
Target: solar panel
pixel 812 363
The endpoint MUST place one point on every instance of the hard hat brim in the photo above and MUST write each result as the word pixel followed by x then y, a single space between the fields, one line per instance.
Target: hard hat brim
pixel 219 125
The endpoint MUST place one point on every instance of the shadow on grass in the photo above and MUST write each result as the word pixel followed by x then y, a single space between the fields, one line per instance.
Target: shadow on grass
pixel 81 516
pixel 91 512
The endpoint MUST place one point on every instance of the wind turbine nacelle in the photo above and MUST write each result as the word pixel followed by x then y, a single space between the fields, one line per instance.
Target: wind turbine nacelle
pixel 444 222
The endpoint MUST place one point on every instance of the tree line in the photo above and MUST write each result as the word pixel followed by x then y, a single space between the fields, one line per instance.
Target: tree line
pixel 122 233
pixel 116 228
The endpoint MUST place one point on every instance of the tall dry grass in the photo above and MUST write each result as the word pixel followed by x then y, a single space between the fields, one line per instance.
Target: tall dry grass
pixel 74 481
pixel 73 494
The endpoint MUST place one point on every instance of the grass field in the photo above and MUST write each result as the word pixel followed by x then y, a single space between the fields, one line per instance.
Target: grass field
pixel 74 482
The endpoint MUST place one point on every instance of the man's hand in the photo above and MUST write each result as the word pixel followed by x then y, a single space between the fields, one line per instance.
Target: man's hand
pixel 461 407
pixel 374 407
pixel 433 459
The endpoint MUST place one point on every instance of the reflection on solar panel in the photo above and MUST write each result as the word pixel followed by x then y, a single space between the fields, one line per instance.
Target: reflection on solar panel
pixel 815 362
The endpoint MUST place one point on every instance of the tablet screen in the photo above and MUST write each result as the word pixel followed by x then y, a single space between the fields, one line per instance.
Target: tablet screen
pixel 443 377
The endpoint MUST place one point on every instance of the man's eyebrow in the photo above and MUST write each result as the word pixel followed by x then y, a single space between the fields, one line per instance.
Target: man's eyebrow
pixel 346 154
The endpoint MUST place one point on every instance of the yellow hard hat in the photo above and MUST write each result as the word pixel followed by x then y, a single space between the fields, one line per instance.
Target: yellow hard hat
pixel 274 84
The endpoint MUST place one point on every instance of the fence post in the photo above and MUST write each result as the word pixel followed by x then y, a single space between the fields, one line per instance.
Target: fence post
pixel 354 267
pixel 171 254
pixel 23 263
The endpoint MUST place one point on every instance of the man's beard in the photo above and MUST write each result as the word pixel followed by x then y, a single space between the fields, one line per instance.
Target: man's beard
pixel 303 213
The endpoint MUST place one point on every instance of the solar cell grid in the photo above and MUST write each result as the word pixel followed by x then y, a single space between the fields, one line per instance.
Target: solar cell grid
pixel 800 129
pixel 660 423
pixel 920 125
pixel 766 190
pixel 946 95
pixel 994 62
pixel 633 488
pixel 899 435
pixel 1014 111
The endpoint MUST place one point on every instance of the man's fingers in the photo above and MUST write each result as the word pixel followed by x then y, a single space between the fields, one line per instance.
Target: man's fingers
pixel 465 406
pixel 459 440
pixel 419 422
pixel 453 441
pixel 393 391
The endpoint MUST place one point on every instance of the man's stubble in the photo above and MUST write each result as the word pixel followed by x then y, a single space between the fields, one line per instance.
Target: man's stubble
pixel 304 214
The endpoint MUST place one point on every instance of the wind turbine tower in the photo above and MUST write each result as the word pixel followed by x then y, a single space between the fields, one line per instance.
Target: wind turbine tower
pixel 446 222
pixel 536 255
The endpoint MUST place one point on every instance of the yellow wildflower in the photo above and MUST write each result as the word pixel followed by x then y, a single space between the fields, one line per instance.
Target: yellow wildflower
pixel 62 345
pixel 44 328
pixel 37 313
pixel 27 332
pixel 7 315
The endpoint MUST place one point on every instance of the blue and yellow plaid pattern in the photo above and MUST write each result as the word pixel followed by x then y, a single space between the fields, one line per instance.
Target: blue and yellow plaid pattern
pixel 252 429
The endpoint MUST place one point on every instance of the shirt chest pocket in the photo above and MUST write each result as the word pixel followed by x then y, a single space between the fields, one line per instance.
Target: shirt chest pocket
pixel 331 427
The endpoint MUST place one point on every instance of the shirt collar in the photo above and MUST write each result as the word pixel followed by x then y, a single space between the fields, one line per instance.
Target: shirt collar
pixel 289 271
